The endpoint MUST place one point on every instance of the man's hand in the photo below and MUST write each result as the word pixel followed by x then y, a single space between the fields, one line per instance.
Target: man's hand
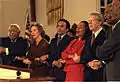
pixel 2 50
pixel 95 64
pixel 26 61
pixel 57 63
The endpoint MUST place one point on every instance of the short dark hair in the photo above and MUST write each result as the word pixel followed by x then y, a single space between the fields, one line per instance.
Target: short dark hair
pixel 67 23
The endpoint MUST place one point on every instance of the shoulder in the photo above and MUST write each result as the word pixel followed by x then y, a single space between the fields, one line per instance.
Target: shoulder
pixel 4 38
pixel 117 27
pixel 53 40
pixel 102 34
pixel 74 40
pixel 67 37
pixel 22 39
pixel 45 42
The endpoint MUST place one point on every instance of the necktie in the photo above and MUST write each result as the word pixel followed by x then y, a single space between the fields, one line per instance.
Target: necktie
pixel 58 40
pixel 93 38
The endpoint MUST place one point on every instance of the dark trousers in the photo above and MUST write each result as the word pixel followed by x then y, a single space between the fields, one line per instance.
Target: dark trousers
pixel 91 75
pixel 59 74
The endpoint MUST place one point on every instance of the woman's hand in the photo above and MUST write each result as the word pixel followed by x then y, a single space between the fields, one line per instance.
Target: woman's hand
pixel 62 61
pixel 26 61
pixel 43 58
pixel 76 58
pixel 20 58
pixel 57 63
pixel 71 56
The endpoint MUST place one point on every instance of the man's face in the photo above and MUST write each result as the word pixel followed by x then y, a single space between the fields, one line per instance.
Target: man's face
pixel 13 34
pixel 108 13
pixel 61 28
pixel 112 12
pixel 93 22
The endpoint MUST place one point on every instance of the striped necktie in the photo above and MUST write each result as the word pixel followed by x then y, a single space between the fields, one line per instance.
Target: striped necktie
pixel 92 38
pixel 58 40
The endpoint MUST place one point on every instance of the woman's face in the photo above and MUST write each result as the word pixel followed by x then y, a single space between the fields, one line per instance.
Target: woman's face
pixel 34 32
pixel 80 29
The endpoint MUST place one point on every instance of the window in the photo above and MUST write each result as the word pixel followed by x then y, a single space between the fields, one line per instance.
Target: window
pixel 55 10
pixel 103 4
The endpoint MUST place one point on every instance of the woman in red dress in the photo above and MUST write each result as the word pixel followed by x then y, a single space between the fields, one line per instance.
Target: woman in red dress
pixel 73 69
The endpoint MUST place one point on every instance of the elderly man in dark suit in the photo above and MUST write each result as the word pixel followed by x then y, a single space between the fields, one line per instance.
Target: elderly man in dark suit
pixel 88 56
pixel 109 52
pixel 13 47
pixel 58 45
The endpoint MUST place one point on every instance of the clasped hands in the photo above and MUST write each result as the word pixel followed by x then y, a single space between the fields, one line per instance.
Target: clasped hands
pixel 42 59
pixel 58 63
pixel 75 57
pixel 95 64
pixel 2 50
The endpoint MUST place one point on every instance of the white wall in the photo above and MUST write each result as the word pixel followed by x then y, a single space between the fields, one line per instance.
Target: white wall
pixel 41 17
pixel 0 18
pixel 74 11
pixel 12 11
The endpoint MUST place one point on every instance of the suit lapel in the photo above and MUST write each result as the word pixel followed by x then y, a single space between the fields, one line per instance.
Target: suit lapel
pixel 99 39
pixel 64 39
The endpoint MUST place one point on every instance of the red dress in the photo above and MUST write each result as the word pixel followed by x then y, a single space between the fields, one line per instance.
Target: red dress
pixel 74 71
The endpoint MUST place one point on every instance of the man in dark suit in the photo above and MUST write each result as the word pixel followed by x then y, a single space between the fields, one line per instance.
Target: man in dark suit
pixel 13 47
pixel 58 44
pixel 109 52
pixel 88 56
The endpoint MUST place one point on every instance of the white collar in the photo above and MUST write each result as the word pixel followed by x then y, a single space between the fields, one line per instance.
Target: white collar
pixel 115 25
pixel 62 36
pixel 97 32
pixel 13 41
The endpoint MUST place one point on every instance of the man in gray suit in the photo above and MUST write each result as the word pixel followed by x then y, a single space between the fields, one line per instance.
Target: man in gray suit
pixel 109 52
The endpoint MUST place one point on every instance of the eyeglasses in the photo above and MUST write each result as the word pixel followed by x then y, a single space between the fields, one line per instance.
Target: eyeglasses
pixel 16 31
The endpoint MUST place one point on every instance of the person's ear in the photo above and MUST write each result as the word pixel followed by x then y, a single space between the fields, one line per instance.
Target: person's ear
pixel 67 30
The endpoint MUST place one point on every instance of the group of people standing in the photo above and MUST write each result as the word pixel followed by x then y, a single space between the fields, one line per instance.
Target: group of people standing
pixel 87 56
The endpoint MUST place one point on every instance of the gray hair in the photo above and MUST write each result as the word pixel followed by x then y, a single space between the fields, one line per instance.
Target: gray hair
pixel 98 15
pixel 14 26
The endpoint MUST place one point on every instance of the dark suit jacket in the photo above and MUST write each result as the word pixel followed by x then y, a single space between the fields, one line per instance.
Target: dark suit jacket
pixel 89 54
pixel 18 48
pixel 56 54
pixel 110 52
